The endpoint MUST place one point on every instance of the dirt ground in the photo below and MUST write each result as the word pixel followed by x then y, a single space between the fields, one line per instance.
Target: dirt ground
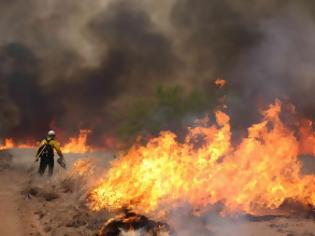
pixel 30 205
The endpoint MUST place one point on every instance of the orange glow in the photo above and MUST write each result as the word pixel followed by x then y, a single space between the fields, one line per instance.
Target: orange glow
pixel 78 144
pixel 75 144
pixel 220 83
pixel 307 137
pixel 257 175
pixel 8 143
pixel 112 143
pixel 25 146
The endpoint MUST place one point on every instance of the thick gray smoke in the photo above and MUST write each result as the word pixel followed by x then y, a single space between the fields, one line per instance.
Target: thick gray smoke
pixel 265 50
pixel 63 69
pixel 71 64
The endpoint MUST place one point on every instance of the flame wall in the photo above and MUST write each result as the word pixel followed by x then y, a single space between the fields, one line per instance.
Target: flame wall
pixel 254 177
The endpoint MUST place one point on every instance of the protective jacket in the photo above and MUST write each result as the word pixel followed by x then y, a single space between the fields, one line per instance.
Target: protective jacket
pixel 46 154
pixel 53 143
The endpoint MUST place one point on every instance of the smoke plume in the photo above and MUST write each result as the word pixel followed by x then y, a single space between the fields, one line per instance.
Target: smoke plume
pixel 77 64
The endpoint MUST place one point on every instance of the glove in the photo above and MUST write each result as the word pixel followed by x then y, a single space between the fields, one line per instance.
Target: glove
pixel 61 162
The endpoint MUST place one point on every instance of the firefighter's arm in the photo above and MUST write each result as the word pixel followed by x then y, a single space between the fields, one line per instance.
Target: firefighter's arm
pixel 58 149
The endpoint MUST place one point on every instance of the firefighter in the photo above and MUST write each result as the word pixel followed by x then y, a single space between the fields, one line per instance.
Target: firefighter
pixel 45 153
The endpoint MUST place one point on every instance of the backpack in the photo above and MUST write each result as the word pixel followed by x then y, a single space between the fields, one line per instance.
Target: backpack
pixel 46 150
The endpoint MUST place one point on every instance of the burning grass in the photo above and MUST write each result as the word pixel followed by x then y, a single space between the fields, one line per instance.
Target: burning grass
pixel 255 177
pixel 74 145
pixel 260 177
pixel 9 143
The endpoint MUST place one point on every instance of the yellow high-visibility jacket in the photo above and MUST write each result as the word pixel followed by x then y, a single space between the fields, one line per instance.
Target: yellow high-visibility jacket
pixel 53 143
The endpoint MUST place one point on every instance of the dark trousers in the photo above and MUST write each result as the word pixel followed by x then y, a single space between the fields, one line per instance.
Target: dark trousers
pixel 44 162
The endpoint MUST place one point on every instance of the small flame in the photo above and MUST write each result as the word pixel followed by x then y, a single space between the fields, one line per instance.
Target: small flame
pixel 75 144
pixel 8 143
pixel 78 144
pixel 220 83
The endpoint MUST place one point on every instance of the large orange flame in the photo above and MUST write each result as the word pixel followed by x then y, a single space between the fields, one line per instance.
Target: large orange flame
pixel 260 173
